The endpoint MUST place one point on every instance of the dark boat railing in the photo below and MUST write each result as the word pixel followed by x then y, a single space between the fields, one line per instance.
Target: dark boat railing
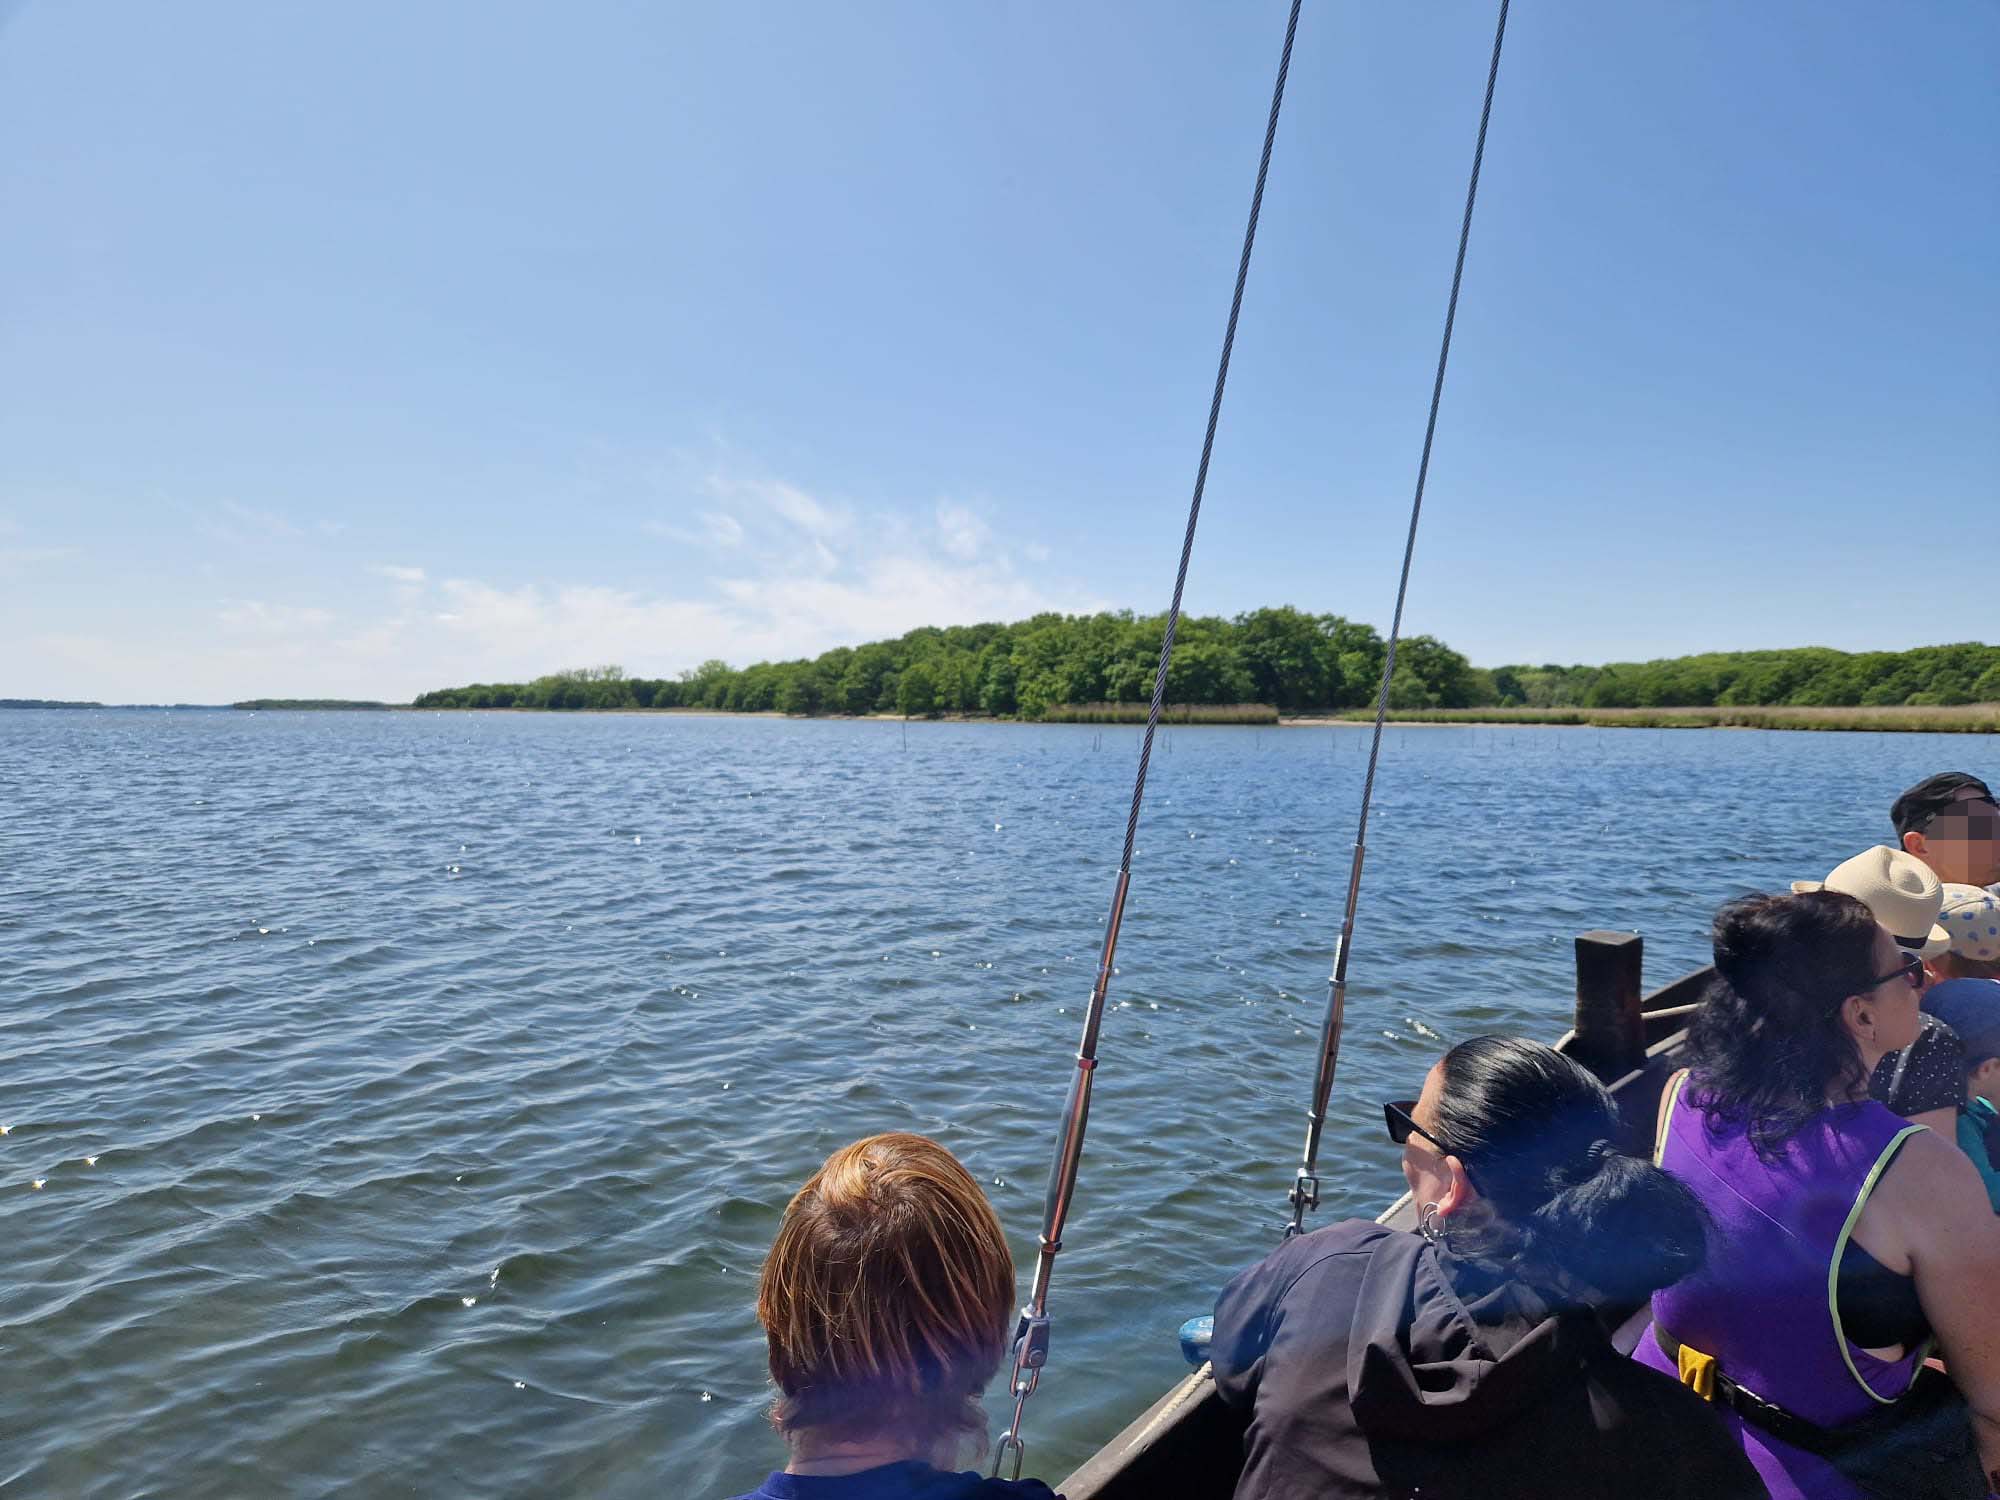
pixel 1189 1443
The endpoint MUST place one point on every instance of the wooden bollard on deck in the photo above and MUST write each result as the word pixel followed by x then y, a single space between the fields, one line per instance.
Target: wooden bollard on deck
pixel 1610 1030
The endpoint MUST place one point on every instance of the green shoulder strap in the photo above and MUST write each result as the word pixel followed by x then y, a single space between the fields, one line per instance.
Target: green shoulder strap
pixel 1672 1098
pixel 1840 1249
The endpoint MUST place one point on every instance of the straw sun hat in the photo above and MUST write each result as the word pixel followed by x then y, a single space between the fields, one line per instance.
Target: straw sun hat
pixel 1903 892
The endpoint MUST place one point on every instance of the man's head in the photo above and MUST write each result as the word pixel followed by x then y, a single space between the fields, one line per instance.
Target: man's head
pixel 1951 822
pixel 1971 1007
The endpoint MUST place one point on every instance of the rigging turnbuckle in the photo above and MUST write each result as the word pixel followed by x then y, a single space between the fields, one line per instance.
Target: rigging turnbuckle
pixel 1304 1197
pixel 1031 1352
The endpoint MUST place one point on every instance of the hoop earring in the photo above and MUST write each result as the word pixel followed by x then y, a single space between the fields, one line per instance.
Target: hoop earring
pixel 1427 1222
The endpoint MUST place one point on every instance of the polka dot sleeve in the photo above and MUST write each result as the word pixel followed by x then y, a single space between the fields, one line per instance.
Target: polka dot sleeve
pixel 1928 1074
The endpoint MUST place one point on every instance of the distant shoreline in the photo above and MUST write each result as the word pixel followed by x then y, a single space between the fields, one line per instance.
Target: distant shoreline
pixel 1976 718
pixel 1972 718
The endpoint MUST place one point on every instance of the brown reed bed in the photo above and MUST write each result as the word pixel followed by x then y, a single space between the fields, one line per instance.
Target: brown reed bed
pixel 1173 713
pixel 1965 718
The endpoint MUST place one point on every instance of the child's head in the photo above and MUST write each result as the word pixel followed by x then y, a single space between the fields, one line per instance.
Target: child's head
pixel 1970 916
pixel 1971 1007
pixel 887 1300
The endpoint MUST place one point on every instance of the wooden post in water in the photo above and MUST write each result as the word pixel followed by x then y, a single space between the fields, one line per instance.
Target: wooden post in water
pixel 1610 1031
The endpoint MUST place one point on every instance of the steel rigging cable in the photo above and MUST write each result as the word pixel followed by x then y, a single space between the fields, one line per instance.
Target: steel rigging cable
pixel 1031 1335
pixel 1305 1187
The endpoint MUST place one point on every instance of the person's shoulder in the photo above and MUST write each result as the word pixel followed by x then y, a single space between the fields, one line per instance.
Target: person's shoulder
pixel 1309 1277
pixel 971 1486
pixel 1929 1171
pixel 1017 1489
pixel 900 1481
pixel 1350 1244
pixel 1923 1153
pixel 1348 1237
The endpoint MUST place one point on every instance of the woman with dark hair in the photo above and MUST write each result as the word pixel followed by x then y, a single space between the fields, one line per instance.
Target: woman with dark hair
pixel 1468 1359
pixel 1845 1239
pixel 886 1303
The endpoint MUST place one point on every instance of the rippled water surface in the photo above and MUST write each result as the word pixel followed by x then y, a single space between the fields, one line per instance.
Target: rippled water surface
pixel 412 1096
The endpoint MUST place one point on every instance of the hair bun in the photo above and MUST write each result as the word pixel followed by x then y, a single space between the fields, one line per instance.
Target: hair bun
pixel 1586 1166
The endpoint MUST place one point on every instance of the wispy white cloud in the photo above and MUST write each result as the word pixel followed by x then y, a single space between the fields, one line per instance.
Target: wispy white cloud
pixel 529 630
pixel 798 573
pixel 850 576
pixel 711 528
pixel 235 522
pixel 801 509
pixel 268 524
pixel 255 617
pixel 962 533
pixel 785 573
pixel 784 525
pixel 799 512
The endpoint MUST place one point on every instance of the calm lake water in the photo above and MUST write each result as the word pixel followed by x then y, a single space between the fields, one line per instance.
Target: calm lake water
pixel 445 1075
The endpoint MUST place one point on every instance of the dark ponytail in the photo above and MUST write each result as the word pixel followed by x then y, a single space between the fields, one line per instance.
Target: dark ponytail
pixel 1566 1210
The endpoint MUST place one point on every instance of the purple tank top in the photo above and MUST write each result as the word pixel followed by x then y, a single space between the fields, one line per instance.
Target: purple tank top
pixel 1764 1303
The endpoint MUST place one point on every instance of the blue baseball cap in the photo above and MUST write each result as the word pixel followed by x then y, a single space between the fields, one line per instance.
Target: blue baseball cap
pixel 1970 1007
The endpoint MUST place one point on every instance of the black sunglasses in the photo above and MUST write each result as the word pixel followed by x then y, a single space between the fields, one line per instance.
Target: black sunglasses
pixel 1910 971
pixel 1402 1125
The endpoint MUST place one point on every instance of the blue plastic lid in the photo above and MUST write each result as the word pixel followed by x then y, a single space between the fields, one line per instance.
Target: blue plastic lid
pixel 1195 1336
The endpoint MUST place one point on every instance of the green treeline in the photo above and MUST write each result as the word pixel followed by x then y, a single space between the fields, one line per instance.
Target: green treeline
pixel 1285 658
pixel 340 704
pixel 1282 657
pixel 1806 677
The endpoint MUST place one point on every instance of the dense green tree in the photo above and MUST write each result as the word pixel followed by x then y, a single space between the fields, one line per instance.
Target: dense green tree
pixel 804 691
pixel 707 685
pixel 1279 655
pixel 1206 671
pixel 997 679
pixel 1429 674
pixel 754 690
pixel 860 689
pixel 916 690
pixel 1289 656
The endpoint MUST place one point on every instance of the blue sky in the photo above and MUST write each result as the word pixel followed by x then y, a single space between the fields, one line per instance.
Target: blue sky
pixel 366 348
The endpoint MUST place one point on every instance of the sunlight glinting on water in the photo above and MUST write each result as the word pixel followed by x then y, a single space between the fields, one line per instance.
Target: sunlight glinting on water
pixel 403 1102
